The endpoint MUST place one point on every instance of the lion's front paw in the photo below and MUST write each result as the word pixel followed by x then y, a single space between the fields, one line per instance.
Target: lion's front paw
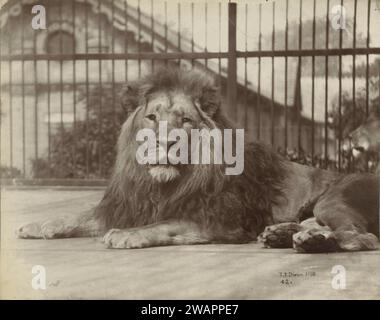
pixel 314 241
pixel 125 239
pixel 279 235
pixel 30 231
pixel 50 229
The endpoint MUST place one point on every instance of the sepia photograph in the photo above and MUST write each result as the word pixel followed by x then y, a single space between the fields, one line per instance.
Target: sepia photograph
pixel 190 150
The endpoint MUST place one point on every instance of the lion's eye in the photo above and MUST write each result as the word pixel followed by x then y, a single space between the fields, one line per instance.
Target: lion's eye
pixel 151 117
pixel 184 120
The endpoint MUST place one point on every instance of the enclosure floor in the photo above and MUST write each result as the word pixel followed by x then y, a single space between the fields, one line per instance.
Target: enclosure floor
pixel 84 269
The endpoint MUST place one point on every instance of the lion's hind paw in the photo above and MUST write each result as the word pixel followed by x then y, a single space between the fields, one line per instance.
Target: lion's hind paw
pixel 279 235
pixel 315 241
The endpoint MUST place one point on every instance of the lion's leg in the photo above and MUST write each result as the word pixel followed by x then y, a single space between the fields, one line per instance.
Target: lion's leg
pixel 65 227
pixel 158 234
pixel 348 232
pixel 281 235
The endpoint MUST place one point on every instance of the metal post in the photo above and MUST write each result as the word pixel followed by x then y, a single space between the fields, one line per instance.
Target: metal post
pixel 232 76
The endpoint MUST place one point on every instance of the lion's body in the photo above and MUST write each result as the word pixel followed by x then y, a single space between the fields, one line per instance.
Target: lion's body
pixel 150 205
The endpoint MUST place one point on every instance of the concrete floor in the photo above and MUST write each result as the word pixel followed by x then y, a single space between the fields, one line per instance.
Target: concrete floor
pixel 84 269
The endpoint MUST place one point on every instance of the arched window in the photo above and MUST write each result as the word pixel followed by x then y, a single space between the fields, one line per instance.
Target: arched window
pixel 60 42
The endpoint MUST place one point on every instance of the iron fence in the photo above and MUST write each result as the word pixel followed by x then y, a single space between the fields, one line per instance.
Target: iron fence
pixel 58 82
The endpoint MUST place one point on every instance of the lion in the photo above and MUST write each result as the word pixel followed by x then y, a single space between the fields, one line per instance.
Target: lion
pixel 277 202
pixel 366 138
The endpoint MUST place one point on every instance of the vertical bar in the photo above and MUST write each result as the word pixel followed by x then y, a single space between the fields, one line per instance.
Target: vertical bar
pixel 206 35
pixel 61 74
pixel 100 50
pixel 354 64
pixel 74 91
pixel 139 34
pixel 49 113
pixel 192 32
pixel 327 37
pixel 220 38
pixel 259 81
pixel 367 74
pixel 61 150
pixel 48 109
pixel 245 69
pixel 113 72
pixel 367 59
pixel 340 100
pixel 286 75
pixel 299 99
pixel 23 93
pixel 313 90
pixel 232 74
pixel 272 97
pixel 166 30
pixel 152 27
pixel 351 159
pixel 87 92
pixel 126 39
pixel 35 85
pixel 10 101
pixel 179 29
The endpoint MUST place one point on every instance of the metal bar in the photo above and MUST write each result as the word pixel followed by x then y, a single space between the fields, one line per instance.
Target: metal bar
pixel 354 64
pixel 286 74
pixel 299 75
pixel 35 86
pixel 10 102
pixel 367 59
pixel 49 113
pixel 232 74
pixel 179 29
pixel 153 32
pixel 272 75
pixel 166 29
pixel 139 35
pixel 312 90
pixel 220 39
pixel 340 100
pixel 259 81
pixel 113 71
pixel 152 27
pixel 126 39
pixel 192 33
pixel 23 93
pixel 206 33
pixel 74 92
pixel 367 73
pixel 326 83
pixel 87 92
pixel 61 75
pixel 193 55
pixel 245 67
pixel 100 159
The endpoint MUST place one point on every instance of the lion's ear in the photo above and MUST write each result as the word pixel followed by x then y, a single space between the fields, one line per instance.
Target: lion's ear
pixel 210 100
pixel 130 98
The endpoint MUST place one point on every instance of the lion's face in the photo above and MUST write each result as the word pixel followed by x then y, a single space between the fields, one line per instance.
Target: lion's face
pixel 366 137
pixel 178 111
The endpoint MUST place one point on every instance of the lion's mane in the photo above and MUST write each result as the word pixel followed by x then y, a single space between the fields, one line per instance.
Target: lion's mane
pixel 228 205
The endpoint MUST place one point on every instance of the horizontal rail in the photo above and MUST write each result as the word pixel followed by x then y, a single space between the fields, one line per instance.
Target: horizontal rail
pixel 309 52
pixel 117 56
pixel 191 55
